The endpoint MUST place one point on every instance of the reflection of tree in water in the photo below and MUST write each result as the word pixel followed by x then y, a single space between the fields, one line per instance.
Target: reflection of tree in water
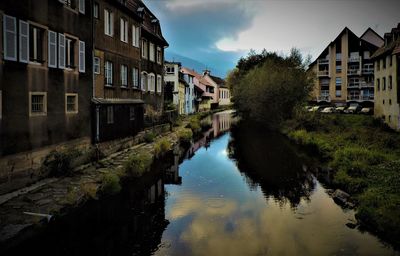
pixel 268 160
pixel 131 223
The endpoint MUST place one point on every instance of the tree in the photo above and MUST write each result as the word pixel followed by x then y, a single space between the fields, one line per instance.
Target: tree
pixel 269 92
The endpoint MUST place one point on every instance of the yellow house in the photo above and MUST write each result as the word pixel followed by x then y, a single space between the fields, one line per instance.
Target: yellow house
pixel 387 69
pixel 181 96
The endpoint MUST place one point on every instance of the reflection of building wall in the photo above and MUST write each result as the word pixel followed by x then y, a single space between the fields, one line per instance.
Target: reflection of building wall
pixel 172 173
pixel 221 123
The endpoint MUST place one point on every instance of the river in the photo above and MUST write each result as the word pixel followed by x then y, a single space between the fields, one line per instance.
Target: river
pixel 237 191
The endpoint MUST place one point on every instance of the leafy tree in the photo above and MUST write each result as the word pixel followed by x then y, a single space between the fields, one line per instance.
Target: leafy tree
pixel 267 87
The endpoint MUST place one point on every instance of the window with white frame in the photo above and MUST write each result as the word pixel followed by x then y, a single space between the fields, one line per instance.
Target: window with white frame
pixel 124 75
pixel 151 52
pixel 159 55
pixel 131 113
pixel 71 103
pixel 135 77
pixel 37 103
pixel 124 30
pixel 70 52
pixel 82 6
pixel 143 81
pixel 52 49
pixel 96 10
pixel 108 73
pixel 96 65
pixel 144 49
pixel 110 114
pixel 151 82
pixel 10 37
pixel 159 83
pixel 108 23
pixel 61 50
pixel 23 41
pixel 36 35
pixel 82 64
pixel 135 36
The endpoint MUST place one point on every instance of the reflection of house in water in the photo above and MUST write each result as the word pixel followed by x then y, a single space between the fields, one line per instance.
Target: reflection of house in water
pixel 172 173
pixel 220 123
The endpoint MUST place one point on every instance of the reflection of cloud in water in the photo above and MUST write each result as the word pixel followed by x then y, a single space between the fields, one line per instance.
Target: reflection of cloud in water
pixel 258 228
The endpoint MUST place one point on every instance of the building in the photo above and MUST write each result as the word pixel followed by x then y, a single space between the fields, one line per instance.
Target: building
pixel 182 85
pixel 190 93
pixel 203 90
pixel 344 70
pixel 387 79
pixel 171 79
pixel 45 75
pixel 117 101
pixel 152 61
pixel 223 92
pixel 211 88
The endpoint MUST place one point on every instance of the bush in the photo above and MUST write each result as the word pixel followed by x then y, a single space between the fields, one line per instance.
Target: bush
pixel 185 136
pixel 138 164
pixel 110 184
pixel 58 163
pixel 194 124
pixel 90 190
pixel 348 158
pixel 149 137
pixel 205 124
pixel 161 147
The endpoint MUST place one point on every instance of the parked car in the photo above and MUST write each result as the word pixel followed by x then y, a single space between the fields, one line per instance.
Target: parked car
pixel 354 108
pixel 314 109
pixel 340 109
pixel 328 110
pixel 366 111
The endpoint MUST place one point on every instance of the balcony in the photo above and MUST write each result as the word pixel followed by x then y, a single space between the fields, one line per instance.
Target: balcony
pixel 353 85
pixel 323 62
pixel 367 84
pixel 323 73
pixel 354 59
pixel 368 71
pixel 353 72
pixel 360 98
pixel 326 98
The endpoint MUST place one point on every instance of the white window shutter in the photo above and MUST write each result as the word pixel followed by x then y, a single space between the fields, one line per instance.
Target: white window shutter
pixel 137 36
pixel 52 49
pixel 133 35
pixel 112 24
pixel 122 30
pixel 82 6
pixel 23 41
pixel 82 56
pixel 106 22
pixel 61 51
pixel 10 38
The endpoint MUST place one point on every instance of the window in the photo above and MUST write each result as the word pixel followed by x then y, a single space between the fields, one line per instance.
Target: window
pixel 69 3
pixel 35 44
pixel 159 84
pixel 151 83
pixel 82 65
pixel 131 113
pixel 390 118
pixel 383 102
pixel 384 63
pixel 135 36
pixel 171 70
pixel 70 53
pixel 390 101
pixel 96 65
pixel 37 103
pixel 124 30
pixel 108 72
pixel 124 75
pixel 159 56
pixel 390 83
pixel 151 52
pixel 23 41
pixel 378 65
pixel 143 81
pixel 96 10
pixel 71 103
pixel 82 6
pixel 52 49
pixel 338 69
pixel 378 84
pixel 108 23
pixel 135 77
pixel 384 83
pixel 390 60
pixel 366 55
pixel 338 81
pixel 10 37
pixel 110 114
pixel 144 49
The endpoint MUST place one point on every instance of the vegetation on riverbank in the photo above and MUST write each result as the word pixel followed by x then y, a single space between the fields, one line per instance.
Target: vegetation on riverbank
pixel 365 157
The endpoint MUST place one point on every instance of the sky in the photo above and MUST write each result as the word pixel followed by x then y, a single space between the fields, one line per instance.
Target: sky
pixel 218 32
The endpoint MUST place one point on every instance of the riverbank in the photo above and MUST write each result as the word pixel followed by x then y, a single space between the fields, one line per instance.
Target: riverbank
pixel 27 209
pixel 364 156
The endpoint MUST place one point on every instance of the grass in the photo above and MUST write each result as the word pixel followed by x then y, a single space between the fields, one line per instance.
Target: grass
pixel 138 164
pixel 149 137
pixel 90 190
pixel 110 184
pixel 161 147
pixel 365 155
pixel 185 136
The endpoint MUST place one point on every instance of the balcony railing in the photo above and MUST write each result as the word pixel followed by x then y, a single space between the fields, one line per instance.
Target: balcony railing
pixel 353 72
pixel 323 61
pixel 360 97
pixel 323 73
pixel 367 84
pixel 354 58
pixel 353 84
pixel 368 71
pixel 326 98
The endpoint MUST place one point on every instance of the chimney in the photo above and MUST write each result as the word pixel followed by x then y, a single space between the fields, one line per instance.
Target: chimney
pixel 206 72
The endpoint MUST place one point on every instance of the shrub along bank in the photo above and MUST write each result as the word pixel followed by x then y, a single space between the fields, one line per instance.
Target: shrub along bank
pixel 365 156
